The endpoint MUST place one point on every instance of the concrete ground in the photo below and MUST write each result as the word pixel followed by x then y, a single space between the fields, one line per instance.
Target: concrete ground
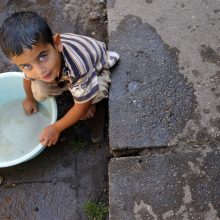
pixel 172 186
pixel 163 116
pixel 57 184
pixel 164 110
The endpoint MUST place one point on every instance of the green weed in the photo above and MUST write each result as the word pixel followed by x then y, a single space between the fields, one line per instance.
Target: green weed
pixel 79 145
pixel 96 210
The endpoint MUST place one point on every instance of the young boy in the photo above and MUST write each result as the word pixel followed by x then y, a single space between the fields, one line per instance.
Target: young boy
pixel 53 64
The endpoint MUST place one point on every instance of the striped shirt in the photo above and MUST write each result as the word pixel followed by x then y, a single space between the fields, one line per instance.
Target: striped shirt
pixel 84 57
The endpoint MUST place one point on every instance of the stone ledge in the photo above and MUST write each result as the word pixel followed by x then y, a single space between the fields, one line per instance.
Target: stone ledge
pixel 169 186
pixel 150 100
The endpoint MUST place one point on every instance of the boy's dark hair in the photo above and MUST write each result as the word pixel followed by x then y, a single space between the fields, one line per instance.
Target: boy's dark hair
pixel 23 30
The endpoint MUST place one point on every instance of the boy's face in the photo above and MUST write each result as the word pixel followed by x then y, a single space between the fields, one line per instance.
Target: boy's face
pixel 42 62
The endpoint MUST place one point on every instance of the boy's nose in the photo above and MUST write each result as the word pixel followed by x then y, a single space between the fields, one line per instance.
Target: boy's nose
pixel 40 70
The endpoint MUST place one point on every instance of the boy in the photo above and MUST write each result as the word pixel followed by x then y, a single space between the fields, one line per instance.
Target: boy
pixel 52 64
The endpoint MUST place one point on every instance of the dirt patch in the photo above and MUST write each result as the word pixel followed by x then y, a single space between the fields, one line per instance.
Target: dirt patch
pixel 209 55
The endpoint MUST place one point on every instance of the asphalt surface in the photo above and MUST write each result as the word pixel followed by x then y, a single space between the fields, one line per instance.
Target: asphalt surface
pixel 150 100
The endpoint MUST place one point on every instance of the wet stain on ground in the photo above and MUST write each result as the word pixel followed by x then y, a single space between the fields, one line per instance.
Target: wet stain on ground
pixel 209 55
pixel 215 123
pixel 192 28
pixel 202 137
pixel 215 92
pixel 196 73
pixel 160 20
pixel 149 1
pixel 147 83
pixel 216 11
pixel 174 52
pixel 216 78
pixel 206 111
pixel 182 5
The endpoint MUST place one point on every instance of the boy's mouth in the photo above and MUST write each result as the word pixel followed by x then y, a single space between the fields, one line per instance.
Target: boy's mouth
pixel 46 76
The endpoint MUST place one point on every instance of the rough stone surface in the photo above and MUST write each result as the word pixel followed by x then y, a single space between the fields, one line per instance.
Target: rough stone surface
pixel 180 180
pixel 166 186
pixel 192 28
pixel 150 100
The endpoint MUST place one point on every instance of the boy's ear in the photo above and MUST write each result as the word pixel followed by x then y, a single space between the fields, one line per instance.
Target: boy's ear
pixel 57 42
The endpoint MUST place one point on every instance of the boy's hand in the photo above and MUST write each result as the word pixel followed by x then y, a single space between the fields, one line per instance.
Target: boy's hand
pixel 30 106
pixel 49 136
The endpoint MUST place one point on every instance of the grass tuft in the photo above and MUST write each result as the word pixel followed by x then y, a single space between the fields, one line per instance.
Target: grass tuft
pixel 96 210
pixel 79 145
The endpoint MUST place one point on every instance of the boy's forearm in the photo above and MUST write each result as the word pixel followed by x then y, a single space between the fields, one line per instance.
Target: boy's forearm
pixel 27 88
pixel 72 116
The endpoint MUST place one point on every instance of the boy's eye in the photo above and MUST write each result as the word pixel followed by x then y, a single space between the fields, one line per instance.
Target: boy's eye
pixel 27 67
pixel 42 57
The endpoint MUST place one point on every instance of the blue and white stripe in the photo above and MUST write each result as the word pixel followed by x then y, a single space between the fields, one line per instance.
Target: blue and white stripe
pixel 85 57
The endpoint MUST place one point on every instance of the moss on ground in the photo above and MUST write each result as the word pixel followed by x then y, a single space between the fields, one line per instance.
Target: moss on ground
pixel 96 210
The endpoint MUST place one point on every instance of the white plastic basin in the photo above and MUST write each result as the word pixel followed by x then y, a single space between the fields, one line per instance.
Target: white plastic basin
pixel 19 133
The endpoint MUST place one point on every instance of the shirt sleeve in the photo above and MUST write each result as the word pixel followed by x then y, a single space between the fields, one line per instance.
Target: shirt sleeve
pixel 86 88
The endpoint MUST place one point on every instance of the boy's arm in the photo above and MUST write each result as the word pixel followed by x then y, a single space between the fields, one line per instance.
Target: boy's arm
pixel 50 134
pixel 29 103
pixel 72 116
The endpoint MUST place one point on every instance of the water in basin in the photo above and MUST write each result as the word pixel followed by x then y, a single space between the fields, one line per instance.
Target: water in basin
pixel 19 133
